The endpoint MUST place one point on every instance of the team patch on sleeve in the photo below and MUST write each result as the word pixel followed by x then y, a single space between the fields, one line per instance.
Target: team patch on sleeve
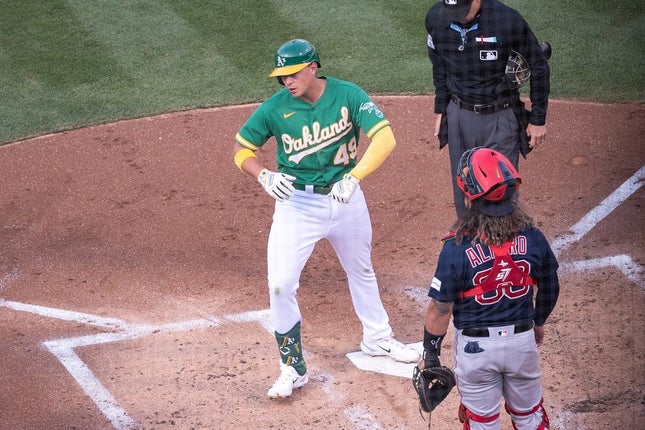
pixel 436 284
pixel 371 108
pixel 430 42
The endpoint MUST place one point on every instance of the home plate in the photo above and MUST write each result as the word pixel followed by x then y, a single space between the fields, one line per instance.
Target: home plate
pixel 384 364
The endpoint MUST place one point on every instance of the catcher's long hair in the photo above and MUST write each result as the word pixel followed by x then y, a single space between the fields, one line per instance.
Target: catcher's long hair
pixel 491 230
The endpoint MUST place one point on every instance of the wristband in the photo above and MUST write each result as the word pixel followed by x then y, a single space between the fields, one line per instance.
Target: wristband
pixel 432 342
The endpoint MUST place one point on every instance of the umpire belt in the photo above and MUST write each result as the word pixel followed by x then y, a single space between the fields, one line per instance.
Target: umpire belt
pixel 312 189
pixel 497 331
pixel 497 105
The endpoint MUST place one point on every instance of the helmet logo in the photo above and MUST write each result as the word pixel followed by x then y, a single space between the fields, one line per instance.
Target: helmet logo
pixel 280 61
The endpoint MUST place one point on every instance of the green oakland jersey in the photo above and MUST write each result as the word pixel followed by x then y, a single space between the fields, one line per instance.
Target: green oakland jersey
pixel 317 143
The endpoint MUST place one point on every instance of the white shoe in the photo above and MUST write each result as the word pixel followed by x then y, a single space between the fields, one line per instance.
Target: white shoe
pixel 392 348
pixel 286 382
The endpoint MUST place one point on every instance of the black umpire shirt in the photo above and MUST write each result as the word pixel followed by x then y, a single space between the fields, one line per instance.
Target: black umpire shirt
pixel 469 61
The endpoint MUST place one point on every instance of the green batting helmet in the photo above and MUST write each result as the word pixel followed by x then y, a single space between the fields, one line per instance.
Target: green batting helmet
pixel 294 56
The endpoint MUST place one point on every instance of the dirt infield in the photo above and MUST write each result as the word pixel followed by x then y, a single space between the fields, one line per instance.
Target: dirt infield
pixel 132 277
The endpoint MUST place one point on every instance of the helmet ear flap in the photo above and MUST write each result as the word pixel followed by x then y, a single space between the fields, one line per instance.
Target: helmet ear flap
pixel 461 184
pixel 465 175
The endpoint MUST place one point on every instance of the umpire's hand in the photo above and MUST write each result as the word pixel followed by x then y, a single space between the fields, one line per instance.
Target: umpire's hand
pixel 537 134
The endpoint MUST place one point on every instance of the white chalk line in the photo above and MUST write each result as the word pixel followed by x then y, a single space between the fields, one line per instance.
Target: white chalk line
pixel 262 317
pixel 108 323
pixel 601 211
pixel 623 263
pixel 92 386
pixel 361 418
pixel 63 350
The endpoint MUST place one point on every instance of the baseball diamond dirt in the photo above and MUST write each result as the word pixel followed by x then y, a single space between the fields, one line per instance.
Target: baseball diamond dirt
pixel 133 291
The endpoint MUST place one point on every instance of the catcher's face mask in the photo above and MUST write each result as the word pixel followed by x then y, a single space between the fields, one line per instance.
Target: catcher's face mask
pixel 517 71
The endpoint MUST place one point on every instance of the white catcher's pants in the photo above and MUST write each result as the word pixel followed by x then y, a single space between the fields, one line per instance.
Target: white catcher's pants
pixel 499 366
pixel 298 224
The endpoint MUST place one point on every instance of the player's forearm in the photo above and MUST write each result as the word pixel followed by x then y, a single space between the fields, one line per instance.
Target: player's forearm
pixel 438 317
pixel 382 144
pixel 546 298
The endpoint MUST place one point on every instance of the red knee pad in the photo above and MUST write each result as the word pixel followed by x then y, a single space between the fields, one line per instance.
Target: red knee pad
pixel 544 425
pixel 466 415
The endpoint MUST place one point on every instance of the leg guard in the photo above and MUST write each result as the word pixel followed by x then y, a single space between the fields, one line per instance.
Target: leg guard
pixel 466 415
pixel 290 348
pixel 539 408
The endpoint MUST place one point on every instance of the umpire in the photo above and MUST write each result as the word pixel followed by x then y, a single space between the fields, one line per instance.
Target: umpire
pixel 482 52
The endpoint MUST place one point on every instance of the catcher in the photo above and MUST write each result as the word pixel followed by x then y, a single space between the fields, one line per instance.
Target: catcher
pixel 485 279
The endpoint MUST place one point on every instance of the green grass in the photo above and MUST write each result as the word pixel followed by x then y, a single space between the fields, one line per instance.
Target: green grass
pixel 72 63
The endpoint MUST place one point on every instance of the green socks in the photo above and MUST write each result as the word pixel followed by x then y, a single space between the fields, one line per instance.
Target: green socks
pixel 290 347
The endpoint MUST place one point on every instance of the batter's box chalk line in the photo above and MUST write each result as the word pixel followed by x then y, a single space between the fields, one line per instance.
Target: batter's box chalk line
pixel 600 212
pixel 624 263
pixel 64 350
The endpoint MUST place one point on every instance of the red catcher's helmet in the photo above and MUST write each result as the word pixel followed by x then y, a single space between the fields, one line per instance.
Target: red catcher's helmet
pixel 489 180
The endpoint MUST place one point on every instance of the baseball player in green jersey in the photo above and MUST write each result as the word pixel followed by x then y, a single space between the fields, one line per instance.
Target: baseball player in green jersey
pixel 316 122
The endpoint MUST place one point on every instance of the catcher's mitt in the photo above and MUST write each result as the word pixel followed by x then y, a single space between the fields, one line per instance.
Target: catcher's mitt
pixel 432 385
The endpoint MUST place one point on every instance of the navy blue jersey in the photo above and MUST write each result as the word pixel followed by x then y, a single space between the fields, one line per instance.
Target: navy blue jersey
pixel 470 62
pixel 461 267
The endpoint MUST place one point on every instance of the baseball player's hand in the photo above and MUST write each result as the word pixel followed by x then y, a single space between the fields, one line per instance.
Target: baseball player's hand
pixel 343 190
pixel 277 184
pixel 429 361
pixel 537 133
pixel 539 334
pixel 437 124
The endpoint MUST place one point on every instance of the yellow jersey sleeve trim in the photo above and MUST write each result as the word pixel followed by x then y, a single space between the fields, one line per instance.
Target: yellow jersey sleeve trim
pixel 245 143
pixel 379 126
pixel 380 148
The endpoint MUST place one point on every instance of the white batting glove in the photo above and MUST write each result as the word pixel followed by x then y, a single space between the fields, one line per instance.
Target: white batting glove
pixel 277 184
pixel 343 190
